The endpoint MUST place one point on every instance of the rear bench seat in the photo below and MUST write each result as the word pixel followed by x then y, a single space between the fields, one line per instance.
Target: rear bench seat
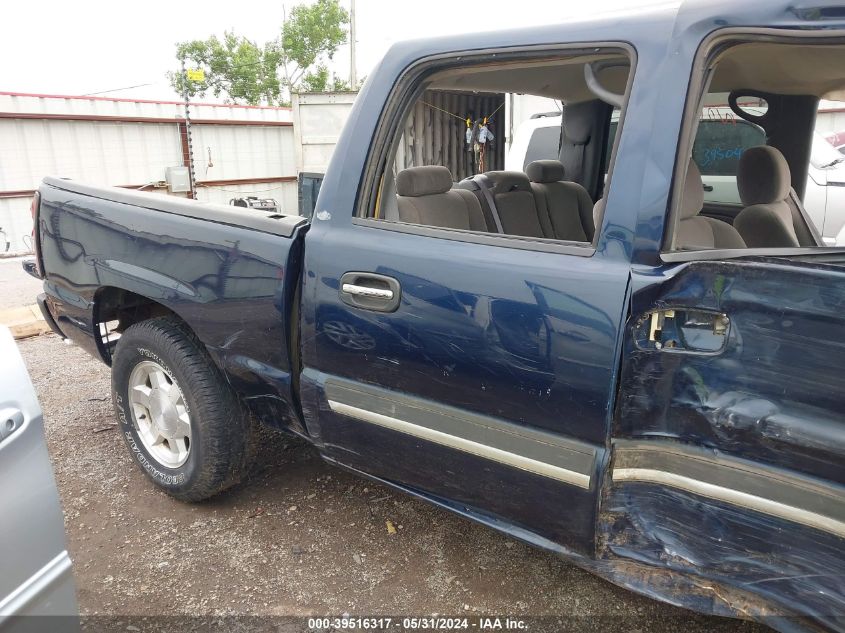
pixel 567 204
pixel 545 208
pixel 425 196
pixel 516 205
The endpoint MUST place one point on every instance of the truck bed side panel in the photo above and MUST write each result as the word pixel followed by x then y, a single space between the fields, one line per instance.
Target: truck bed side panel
pixel 232 285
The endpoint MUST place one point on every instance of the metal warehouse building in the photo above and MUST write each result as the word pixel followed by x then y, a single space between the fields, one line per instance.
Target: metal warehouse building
pixel 237 150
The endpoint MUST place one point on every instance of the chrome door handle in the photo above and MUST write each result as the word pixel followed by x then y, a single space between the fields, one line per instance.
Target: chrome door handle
pixel 370 291
pixel 364 291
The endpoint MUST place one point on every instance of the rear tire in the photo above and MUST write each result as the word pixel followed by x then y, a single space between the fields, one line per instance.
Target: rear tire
pixel 182 422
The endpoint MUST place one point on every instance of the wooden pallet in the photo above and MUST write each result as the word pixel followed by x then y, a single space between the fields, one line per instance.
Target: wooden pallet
pixel 24 321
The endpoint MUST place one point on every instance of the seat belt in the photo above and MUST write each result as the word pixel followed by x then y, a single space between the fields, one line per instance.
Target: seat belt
pixel 483 181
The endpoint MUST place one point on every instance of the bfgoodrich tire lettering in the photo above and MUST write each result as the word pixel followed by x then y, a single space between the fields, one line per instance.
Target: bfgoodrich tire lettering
pixel 220 428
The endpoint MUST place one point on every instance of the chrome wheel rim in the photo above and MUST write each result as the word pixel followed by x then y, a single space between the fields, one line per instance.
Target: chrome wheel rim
pixel 160 414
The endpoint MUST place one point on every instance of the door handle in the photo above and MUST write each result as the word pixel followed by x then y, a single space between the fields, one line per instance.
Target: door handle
pixel 370 291
pixel 366 291
pixel 708 188
pixel 10 421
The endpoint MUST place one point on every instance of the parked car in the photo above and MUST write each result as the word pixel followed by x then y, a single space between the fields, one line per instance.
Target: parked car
pixel 654 392
pixel 721 138
pixel 37 576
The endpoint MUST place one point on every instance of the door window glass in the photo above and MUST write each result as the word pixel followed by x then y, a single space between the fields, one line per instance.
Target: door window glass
pixel 447 170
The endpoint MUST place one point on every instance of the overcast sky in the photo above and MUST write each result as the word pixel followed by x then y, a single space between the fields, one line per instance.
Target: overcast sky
pixel 87 46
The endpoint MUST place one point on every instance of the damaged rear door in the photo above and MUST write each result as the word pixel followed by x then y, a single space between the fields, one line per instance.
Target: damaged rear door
pixel 728 439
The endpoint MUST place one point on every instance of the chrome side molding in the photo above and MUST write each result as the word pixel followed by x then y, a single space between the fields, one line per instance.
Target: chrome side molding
pixel 738 482
pixel 545 454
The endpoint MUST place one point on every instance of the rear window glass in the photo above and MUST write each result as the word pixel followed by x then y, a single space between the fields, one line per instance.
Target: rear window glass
pixel 544 144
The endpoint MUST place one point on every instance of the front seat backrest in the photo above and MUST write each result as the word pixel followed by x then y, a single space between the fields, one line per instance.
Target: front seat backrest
pixel 425 196
pixel 568 205
pixel 697 231
pixel 516 205
pixel 763 180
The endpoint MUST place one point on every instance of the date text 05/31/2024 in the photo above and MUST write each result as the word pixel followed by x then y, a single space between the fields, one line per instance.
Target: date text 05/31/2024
pixel 418 623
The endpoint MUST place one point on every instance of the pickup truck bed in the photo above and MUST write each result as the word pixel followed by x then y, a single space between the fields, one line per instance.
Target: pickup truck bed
pixel 129 255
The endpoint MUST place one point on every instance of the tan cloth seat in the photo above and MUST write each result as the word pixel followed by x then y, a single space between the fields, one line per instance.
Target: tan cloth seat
pixel 516 205
pixel 696 231
pixel 598 211
pixel 567 204
pixel 764 181
pixel 425 196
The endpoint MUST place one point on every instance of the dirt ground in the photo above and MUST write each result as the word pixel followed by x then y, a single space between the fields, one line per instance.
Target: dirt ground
pixel 298 538
pixel 16 287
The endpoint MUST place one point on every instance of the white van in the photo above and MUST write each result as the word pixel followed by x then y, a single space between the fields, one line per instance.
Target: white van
pixel 719 143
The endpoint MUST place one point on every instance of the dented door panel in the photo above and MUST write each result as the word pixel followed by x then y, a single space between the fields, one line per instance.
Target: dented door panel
pixel 777 391
pixel 727 465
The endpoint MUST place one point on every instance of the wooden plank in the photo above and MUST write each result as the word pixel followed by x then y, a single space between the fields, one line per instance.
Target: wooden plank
pixel 24 321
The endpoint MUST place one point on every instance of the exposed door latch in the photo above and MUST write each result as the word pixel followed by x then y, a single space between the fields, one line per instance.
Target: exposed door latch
pixel 683 329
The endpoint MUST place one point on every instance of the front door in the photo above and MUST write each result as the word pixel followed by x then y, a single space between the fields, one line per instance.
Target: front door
pixel 729 441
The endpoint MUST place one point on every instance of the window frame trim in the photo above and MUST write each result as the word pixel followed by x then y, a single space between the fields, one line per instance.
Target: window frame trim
pixel 712 46
pixel 542 244
pixel 407 87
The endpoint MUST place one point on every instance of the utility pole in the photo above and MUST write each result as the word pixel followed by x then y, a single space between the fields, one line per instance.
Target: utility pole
pixel 190 165
pixel 353 70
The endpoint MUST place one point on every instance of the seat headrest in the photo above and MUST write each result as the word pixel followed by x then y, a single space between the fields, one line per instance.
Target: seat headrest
pixel 693 199
pixel 575 120
pixel 507 181
pixel 423 181
pixel 545 171
pixel 763 176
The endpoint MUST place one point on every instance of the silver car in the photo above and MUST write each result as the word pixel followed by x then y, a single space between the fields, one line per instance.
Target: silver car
pixel 36 579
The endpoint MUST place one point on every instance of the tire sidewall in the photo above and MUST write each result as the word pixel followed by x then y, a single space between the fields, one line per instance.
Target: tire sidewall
pixel 131 353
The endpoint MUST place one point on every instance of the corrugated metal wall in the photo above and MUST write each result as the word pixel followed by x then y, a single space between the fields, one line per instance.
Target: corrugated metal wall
pixel 96 152
pixel 831 121
pixel 131 143
pixel 15 224
pixel 435 132
pixel 240 151
pixel 109 106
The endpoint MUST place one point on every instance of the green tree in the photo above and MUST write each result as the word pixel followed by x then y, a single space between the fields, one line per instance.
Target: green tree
pixel 312 33
pixel 235 67
pixel 316 80
pixel 244 72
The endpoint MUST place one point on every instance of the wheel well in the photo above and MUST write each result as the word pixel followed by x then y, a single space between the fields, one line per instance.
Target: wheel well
pixel 115 309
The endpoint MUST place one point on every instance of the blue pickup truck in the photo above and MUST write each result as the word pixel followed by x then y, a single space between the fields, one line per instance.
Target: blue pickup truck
pixel 585 354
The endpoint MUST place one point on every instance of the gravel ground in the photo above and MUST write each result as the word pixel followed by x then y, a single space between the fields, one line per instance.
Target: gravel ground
pixel 298 538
